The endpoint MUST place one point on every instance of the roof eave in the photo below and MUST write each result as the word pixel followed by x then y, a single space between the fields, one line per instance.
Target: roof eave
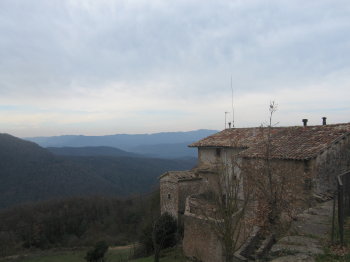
pixel 218 146
pixel 281 158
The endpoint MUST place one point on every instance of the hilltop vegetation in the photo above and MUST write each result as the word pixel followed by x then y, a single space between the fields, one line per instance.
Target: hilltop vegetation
pixel 75 222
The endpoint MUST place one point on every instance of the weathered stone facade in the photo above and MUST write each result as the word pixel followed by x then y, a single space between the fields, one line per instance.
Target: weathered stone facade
pixel 330 163
pixel 309 157
pixel 200 241
pixel 169 197
pixel 176 186
pixel 296 188
pixel 317 174
pixel 211 156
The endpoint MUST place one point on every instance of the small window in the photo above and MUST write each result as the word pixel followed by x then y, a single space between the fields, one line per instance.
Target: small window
pixel 307 184
pixel 169 196
pixel 218 152
pixel 224 199
pixel 306 166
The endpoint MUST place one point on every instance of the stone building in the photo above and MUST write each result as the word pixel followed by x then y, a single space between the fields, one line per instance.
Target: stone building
pixel 317 154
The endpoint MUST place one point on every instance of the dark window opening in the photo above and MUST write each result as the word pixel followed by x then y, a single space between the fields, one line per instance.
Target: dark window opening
pixel 224 199
pixel 169 196
pixel 218 152
pixel 306 166
pixel 307 184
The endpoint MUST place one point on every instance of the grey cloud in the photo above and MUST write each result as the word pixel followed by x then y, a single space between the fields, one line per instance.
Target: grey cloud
pixel 193 45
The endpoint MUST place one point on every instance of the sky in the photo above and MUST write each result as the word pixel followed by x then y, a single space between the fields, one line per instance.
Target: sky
pixel 142 66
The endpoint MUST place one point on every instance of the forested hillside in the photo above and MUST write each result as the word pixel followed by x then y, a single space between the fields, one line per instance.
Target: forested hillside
pixel 76 222
pixel 30 173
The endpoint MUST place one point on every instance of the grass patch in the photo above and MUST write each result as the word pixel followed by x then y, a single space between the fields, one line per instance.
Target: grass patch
pixel 113 255
pixel 68 256
pixel 167 255
pixel 49 256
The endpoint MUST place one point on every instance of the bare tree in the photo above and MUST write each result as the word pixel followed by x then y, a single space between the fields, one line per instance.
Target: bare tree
pixel 231 209
pixel 276 187
pixel 272 191
pixel 226 207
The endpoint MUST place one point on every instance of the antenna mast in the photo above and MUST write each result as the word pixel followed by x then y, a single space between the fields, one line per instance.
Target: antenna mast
pixel 233 112
pixel 225 118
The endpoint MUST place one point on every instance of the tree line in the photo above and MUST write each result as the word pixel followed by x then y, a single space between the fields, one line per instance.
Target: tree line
pixel 76 222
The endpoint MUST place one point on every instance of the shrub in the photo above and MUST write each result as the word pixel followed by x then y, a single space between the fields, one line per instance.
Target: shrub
pixel 164 233
pixel 97 254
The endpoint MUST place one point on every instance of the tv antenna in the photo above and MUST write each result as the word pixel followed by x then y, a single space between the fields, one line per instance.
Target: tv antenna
pixel 225 118
pixel 233 112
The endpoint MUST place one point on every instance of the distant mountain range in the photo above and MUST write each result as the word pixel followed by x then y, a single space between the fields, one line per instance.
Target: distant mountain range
pixel 91 151
pixel 31 173
pixel 161 145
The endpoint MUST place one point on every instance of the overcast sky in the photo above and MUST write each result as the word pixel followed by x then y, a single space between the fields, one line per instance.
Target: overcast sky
pixel 142 66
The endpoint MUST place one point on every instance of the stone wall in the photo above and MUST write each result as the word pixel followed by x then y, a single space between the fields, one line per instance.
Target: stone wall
pixel 188 187
pixel 294 178
pixel 176 186
pixel 212 156
pixel 169 201
pixel 207 156
pixel 332 162
pixel 200 240
pixel 317 174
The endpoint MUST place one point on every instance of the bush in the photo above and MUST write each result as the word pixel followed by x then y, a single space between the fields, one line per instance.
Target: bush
pixel 97 254
pixel 164 233
pixel 145 247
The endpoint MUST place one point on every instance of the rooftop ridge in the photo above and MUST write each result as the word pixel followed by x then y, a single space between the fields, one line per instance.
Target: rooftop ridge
pixel 292 142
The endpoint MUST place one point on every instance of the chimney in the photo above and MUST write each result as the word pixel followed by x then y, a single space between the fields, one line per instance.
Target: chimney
pixel 305 122
pixel 324 121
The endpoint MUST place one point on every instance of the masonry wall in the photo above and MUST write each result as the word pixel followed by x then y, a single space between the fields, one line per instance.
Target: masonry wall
pixel 187 188
pixel 294 178
pixel 173 192
pixel 200 241
pixel 207 156
pixel 212 156
pixel 169 197
pixel 332 162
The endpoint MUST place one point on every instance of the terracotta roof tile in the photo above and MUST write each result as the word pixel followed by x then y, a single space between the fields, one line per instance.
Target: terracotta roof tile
pixel 234 137
pixel 178 175
pixel 296 142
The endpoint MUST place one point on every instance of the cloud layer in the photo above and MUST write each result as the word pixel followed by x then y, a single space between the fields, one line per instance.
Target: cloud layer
pixel 102 67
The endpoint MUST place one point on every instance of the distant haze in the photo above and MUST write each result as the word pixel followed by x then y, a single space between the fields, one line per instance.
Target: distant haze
pixel 144 66
pixel 164 145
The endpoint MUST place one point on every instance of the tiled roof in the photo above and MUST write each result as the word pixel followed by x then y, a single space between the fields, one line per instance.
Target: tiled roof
pixel 193 174
pixel 296 142
pixel 234 137
pixel 178 175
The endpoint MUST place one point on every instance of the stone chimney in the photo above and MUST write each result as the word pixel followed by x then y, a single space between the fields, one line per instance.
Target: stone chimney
pixel 324 120
pixel 305 122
